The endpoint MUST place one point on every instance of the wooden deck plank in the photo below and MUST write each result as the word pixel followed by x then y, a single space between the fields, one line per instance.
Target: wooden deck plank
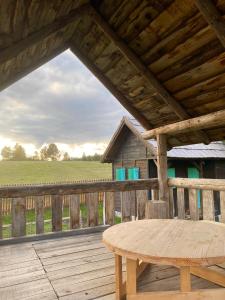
pixel 77 267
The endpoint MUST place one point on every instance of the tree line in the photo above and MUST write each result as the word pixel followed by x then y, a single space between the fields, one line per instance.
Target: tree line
pixel 48 152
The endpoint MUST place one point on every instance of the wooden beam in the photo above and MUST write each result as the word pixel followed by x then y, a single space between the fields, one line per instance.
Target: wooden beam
pixel 203 122
pixel 142 69
pixel 199 184
pixel 110 86
pixel 162 168
pixel 138 64
pixel 17 47
pixel 213 17
pixel 209 274
pixel 77 188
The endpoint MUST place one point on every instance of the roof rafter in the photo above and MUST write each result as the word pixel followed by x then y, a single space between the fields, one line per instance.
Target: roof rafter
pixel 213 18
pixel 142 69
pixel 110 86
pixel 17 47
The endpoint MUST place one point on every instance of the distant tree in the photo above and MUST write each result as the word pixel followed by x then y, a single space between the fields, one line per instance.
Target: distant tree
pixel 84 156
pixel 66 156
pixel 53 152
pixel 6 153
pixel 44 153
pixel 35 156
pixel 18 153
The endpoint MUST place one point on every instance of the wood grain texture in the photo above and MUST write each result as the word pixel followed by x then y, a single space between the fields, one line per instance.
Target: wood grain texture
pixel 57 213
pixel 193 204
pixel 92 208
pixel 39 211
pixel 176 242
pixel 74 211
pixel 18 217
pixel 109 208
pixel 208 205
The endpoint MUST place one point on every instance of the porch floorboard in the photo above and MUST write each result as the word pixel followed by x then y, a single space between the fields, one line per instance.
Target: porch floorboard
pixel 77 267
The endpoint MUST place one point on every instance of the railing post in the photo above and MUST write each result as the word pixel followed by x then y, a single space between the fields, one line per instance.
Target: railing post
pixel 162 172
pixel 74 211
pixel 39 210
pixel 57 201
pixel 18 217
pixel 109 208
pixel 92 206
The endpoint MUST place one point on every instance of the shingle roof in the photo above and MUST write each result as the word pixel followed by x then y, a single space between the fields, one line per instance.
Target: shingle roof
pixel 212 150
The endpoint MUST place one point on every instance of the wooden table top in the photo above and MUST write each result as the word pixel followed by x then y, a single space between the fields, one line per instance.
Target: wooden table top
pixel 171 242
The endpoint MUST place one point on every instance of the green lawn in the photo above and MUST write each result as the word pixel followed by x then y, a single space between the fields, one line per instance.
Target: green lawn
pixel 19 172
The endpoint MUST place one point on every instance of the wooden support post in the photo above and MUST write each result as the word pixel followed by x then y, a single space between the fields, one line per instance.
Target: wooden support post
pixel 185 279
pixel 74 211
pixel 131 276
pixel 162 169
pixel 126 206
pixel 39 210
pixel 57 202
pixel 18 217
pixel 92 205
pixel 119 277
pixel 110 208
pixel 142 199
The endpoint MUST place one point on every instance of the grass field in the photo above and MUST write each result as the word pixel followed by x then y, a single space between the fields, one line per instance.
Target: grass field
pixel 20 172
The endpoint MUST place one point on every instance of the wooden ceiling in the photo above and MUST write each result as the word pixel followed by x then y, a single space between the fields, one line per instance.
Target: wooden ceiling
pixel 163 60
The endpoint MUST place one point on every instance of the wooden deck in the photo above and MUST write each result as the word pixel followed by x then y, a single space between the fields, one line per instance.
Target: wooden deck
pixel 77 267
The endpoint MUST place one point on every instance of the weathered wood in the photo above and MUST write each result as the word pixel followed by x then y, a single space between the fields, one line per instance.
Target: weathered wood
pixel 155 194
pixel 57 202
pixel 109 208
pixel 77 188
pixel 162 168
pixel 201 184
pixel 126 198
pixel 213 17
pixel 110 86
pixel 171 203
pixel 1 233
pixel 208 205
pixel 156 209
pixel 92 207
pixel 180 203
pixel 142 198
pixel 207 121
pixel 193 204
pixel 39 211
pixel 137 63
pixel 35 37
pixel 18 217
pixel 222 206
pixel 74 211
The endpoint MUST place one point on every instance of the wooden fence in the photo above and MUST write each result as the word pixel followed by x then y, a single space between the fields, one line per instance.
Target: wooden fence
pixel 30 201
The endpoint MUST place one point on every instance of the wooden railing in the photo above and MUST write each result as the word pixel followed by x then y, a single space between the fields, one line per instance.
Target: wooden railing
pixel 78 215
pixel 197 199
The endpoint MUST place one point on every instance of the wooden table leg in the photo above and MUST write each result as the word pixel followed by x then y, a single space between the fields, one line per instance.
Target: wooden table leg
pixel 131 276
pixel 119 277
pixel 185 279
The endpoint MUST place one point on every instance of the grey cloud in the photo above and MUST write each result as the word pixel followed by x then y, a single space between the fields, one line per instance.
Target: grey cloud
pixel 59 102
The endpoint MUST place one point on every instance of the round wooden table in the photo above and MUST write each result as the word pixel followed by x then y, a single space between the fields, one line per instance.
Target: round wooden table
pixel 189 245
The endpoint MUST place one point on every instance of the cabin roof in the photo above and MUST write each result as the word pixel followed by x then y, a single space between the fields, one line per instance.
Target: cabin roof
pixel 214 150
pixel 163 60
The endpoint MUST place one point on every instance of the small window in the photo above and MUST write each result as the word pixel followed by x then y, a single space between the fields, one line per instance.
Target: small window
pixel 120 174
pixel 171 173
pixel 133 173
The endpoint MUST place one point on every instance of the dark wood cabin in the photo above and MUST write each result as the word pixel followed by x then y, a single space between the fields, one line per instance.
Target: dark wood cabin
pixel 132 157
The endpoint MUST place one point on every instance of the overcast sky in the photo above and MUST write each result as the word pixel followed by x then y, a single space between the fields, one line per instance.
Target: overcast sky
pixel 63 103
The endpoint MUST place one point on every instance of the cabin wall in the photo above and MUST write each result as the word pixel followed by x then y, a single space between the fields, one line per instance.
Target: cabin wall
pixel 131 153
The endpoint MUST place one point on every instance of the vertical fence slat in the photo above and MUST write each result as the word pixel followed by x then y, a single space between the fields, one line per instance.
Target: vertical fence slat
pixel 142 198
pixel 57 201
pixel 171 203
pixel 208 205
pixel 109 208
pixel 126 206
pixel 222 206
pixel 74 211
pixel 193 204
pixel 155 194
pixel 1 233
pixel 92 205
pixel 180 203
pixel 18 217
pixel 39 211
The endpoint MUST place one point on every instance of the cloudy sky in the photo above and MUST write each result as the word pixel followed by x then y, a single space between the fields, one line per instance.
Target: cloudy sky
pixel 63 103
